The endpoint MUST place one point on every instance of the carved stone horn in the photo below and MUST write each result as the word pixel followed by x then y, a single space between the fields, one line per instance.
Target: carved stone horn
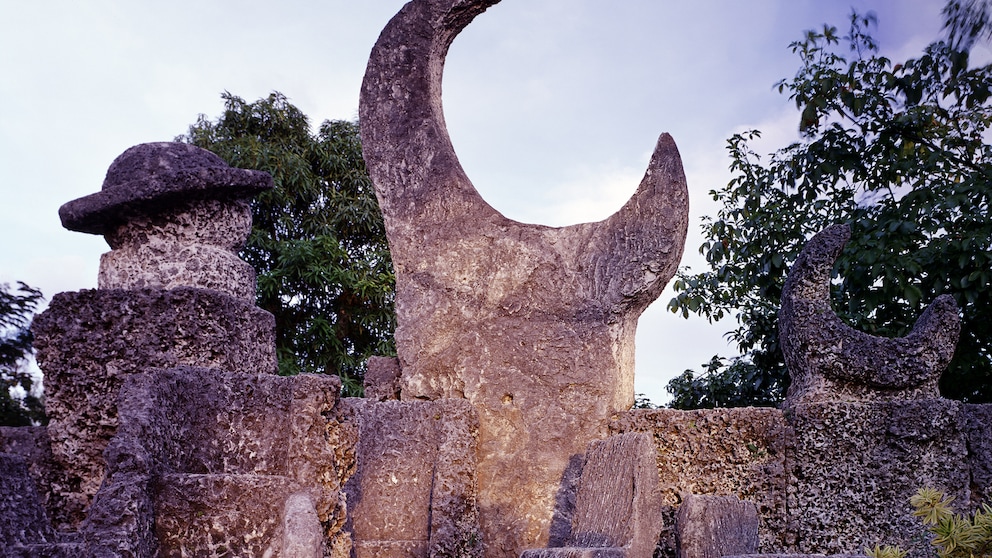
pixel 533 325
pixel 829 360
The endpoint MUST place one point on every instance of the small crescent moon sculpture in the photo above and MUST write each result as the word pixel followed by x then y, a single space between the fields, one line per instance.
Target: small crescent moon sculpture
pixel 829 360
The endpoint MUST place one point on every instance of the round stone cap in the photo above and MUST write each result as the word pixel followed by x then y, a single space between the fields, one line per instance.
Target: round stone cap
pixel 154 177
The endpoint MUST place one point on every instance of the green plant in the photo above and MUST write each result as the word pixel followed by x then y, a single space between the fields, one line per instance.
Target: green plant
pixel 885 552
pixel 954 535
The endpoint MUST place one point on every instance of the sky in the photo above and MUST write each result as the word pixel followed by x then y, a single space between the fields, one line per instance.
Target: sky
pixel 553 106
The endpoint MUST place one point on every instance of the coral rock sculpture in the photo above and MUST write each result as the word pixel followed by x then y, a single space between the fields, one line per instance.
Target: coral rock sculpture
pixel 829 360
pixel 533 325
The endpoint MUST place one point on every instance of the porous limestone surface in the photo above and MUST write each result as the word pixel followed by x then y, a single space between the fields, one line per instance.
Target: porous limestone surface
pixel 88 342
pixel 743 452
pixel 533 325
pixel 193 244
pixel 856 465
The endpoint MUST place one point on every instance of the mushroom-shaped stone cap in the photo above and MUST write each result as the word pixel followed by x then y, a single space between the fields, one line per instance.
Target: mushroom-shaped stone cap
pixel 155 176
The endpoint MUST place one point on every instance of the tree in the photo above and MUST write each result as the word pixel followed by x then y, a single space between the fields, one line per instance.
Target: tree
pixel 16 308
pixel 898 151
pixel 318 243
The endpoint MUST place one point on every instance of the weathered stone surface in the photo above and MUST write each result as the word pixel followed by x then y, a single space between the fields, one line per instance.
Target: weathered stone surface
pixel 22 516
pixel 414 491
pixel 831 361
pixel 857 464
pixel 715 526
pixel 207 459
pixel 150 177
pixel 89 342
pixel 220 515
pixel 977 424
pixel 533 325
pixel 31 443
pixel 745 452
pixel 382 378
pixel 616 504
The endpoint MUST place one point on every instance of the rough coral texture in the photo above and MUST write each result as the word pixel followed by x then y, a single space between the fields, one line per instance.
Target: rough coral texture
pixel 831 361
pixel 615 503
pixel 90 341
pixel 857 464
pixel 744 452
pixel 215 463
pixel 533 325
pixel 193 244
pixel 414 491
pixel 715 526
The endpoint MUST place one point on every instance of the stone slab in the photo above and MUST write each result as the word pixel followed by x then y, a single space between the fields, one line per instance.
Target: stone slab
pixel 714 526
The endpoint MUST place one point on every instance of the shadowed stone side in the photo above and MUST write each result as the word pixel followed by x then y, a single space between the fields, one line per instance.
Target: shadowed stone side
pixel 831 361
pixel 744 452
pixel 414 490
pixel 616 508
pixel 978 429
pixel 24 520
pixel 533 325
pixel 715 526
pixel 90 341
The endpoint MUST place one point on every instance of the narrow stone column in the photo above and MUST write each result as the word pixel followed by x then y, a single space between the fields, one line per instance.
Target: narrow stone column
pixel 172 292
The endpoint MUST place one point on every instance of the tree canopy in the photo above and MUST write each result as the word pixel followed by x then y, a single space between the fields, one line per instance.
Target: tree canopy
pixel 318 243
pixel 23 407
pixel 900 152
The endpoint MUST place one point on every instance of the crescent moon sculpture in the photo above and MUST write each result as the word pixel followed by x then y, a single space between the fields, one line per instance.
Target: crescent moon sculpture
pixel 533 325
pixel 831 361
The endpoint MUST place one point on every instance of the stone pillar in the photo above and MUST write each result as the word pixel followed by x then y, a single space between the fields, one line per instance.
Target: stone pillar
pixel 172 292
pixel 870 427
pixel 533 325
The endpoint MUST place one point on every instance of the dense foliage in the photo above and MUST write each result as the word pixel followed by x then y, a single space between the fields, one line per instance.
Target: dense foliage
pixel 318 242
pixel 23 407
pixel 897 150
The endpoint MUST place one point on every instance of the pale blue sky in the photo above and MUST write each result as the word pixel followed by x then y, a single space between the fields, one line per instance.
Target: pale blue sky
pixel 553 105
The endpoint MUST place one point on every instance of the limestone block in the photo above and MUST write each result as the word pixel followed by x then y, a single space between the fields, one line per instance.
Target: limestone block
pixel 616 504
pixel 744 452
pixel 831 361
pixel 22 517
pixel 187 435
pixel 533 325
pixel 192 244
pixel 977 423
pixel 715 526
pixel 414 491
pixel 90 341
pixel 857 465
